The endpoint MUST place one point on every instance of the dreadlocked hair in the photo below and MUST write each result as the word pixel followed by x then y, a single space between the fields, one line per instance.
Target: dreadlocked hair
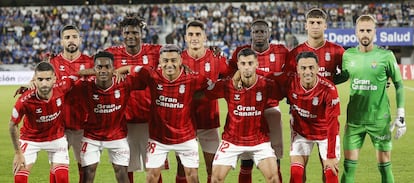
pixel 133 20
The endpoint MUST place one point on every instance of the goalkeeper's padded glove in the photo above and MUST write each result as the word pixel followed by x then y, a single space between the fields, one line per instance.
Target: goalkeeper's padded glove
pixel 399 122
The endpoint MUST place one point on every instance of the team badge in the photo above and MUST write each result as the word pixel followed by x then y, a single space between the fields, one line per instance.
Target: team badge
pixel 62 68
pixel 117 94
pixel 294 95
pixel 39 110
pixel 58 102
pixel 145 59
pixel 123 61
pixel 207 67
pixel 272 57
pixel 15 113
pixel 159 87
pixel 81 67
pixel 181 89
pixel 236 96
pixel 259 96
pixel 95 97
pixel 374 64
pixel 327 56
pixel 315 101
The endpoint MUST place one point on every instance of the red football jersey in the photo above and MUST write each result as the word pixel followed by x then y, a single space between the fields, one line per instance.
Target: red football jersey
pixel 329 56
pixel 206 112
pixel 171 121
pixel 271 60
pixel 43 119
pixel 73 117
pixel 314 112
pixel 245 123
pixel 106 108
pixel 138 108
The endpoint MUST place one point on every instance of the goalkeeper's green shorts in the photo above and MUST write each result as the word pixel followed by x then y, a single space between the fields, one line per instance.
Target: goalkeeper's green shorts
pixel 355 135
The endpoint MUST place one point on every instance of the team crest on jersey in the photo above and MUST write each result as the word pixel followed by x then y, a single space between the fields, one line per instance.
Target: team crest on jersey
pixel 39 110
pixel 159 87
pixel 15 113
pixel 294 95
pixel 259 96
pixel 95 97
pixel 123 61
pixel 145 59
pixel 236 96
pixel 374 64
pixel 62 68
pixel 207 67
pixel 81 67
pixel 315 101
pixel 272 57
pixel 327 56
pixel 181 89
pixel 117 94
pixel 58 102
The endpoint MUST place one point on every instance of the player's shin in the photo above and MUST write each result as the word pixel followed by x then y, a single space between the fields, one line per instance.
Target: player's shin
pixel 386 172
pixel 245 175
pixel 348 175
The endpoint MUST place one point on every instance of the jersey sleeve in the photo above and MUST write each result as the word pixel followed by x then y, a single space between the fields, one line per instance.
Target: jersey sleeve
pixel 215 90
pixel 332 112
pixel 280 84
pixel 394 73
pixel 18 111
pixel 139 77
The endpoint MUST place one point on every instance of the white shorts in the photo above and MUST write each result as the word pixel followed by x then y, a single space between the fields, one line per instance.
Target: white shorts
pixel 57 150
pixel 209 139
pixel 74 138
pixel 157 153
pixel 138 135
pixel 118 151
pixel 228 153
pixel 300 146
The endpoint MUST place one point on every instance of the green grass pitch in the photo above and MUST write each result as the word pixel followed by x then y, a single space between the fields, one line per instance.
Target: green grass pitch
pixel 367 172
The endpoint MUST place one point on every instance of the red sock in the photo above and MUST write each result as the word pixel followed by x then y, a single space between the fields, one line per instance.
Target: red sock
pixel 160 179
pixel 296 173
pixel 131 177
pixel 330 177
pixel 52 177
pixel 209 179
pixel 80 170
pixel 245 175
pixel 61 174
pixel 21 176
pixel 179 179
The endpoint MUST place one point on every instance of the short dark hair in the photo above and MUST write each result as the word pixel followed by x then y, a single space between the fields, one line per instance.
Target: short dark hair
pixel 103 54
pixel 196 23
pixel 246 52
pixel 307 54
pixel 170 48
pixel 133 20
pixel 44 66
pixel 260 21
pixel 316 13
pixel 68 27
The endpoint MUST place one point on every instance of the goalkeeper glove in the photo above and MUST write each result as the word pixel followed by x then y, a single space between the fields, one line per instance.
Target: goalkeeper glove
pixel 400 123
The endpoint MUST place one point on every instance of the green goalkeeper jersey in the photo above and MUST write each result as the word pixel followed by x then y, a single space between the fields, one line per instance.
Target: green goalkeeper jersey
pixel 368 73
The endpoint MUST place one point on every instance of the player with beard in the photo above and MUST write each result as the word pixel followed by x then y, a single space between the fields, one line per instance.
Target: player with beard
pixel 206 112
pixel 368 67
pixel 172 126
pixel 329 54
pixel 67 63
pixel 134 52
pixel 271 58
pixel 43 127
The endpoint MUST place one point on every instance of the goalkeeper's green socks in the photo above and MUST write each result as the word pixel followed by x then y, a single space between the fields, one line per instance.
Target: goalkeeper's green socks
pixel 386 172
pixel 349 171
